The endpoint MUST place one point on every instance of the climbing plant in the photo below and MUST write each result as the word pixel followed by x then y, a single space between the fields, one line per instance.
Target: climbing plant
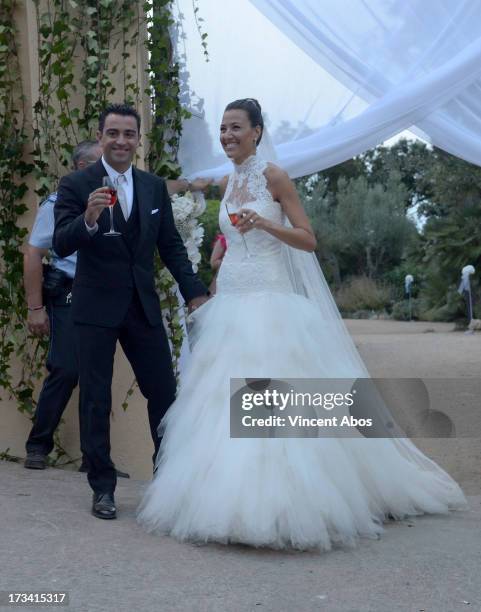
pixel 14 173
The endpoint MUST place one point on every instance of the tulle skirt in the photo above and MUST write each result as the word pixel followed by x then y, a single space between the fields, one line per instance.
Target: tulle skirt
pixel 300 493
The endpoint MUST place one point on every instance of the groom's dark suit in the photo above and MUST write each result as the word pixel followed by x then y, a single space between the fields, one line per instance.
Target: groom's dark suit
pixel 114 298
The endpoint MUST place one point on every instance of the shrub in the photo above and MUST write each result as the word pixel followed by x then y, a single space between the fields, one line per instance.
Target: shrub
pixel 400 310
pixel 454 309
pixel 362 293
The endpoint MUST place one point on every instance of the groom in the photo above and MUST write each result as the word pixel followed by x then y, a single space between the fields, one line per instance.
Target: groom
pixel 113 296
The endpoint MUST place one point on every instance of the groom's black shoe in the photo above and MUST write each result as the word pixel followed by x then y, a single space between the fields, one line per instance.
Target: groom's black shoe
pixel 35 461
pixel 103 506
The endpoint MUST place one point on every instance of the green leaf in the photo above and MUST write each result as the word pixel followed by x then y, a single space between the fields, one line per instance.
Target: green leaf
pixel 62 94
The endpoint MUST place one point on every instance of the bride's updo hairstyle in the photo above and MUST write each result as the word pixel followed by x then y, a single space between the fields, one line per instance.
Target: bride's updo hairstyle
pixel 253 110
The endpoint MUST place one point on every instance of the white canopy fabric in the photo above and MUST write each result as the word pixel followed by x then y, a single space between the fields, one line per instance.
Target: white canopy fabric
pixel 350 74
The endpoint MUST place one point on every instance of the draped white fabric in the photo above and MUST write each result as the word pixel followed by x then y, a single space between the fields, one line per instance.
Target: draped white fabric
pixel 383 66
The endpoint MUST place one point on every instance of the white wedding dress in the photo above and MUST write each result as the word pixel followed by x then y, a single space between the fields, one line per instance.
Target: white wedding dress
pixel 277 492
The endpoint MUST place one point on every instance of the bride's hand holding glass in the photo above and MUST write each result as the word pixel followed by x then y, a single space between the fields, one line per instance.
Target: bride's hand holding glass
pixel 248 220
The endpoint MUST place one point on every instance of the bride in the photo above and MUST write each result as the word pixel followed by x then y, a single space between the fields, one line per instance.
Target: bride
pixel 273 317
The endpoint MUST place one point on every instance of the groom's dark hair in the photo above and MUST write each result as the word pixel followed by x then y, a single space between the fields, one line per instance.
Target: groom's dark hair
pixel 118 109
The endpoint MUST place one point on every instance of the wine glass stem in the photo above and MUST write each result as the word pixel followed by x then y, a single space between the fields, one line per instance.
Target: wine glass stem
pixel 245 244
pixel 111 218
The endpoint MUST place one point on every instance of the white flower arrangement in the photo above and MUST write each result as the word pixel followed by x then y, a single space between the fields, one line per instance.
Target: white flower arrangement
pixel 187 209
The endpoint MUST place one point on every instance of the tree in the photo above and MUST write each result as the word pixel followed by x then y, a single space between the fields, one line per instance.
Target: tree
pixel 319 204
pixel 413 160
pixel 453 185
pixel 358 212
pixel 451 236
pixel 371 226
pixel 361 229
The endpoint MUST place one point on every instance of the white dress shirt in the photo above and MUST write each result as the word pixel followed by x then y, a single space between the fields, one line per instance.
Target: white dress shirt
pixel 127 185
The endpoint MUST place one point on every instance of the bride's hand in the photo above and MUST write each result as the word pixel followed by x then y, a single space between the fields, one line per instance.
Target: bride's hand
pixel 249 219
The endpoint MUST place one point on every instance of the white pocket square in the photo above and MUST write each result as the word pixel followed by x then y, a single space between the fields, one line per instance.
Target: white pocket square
pixel 156 210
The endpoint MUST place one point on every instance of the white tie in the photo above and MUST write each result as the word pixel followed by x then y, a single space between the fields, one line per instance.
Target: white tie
pixel 122 196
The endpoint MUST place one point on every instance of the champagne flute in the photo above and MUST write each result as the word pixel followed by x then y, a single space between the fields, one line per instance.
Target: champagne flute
pixel 108 182
pixel 234 219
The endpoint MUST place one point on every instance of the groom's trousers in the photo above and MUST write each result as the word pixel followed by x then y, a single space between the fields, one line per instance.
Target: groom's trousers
pixel 148 352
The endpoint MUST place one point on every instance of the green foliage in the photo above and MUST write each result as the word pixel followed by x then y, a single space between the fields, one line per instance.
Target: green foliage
pixel 406 311
pixel 14 341
pixel 203 35
pixel 450 308
pixel 453 184
pixel 164 91
pixel 6 456
pixel 210 222
pixel 101 33
pixel 412 160
pixel 320 206
pixel 362 294
pixel 167 118
pixel 451 237
pixel 395 278
pixel 361 227
pixel 358 212
pixel 371 225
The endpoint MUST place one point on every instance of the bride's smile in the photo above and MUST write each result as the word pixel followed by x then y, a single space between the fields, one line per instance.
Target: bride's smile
pixel 237 136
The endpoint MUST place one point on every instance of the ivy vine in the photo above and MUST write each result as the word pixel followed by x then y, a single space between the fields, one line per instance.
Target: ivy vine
pixel 14 341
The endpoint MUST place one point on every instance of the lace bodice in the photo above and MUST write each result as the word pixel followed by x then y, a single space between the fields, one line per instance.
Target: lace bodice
pixel 265 269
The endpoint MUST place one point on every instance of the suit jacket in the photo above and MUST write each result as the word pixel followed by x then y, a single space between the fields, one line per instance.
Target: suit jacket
pixel 109 269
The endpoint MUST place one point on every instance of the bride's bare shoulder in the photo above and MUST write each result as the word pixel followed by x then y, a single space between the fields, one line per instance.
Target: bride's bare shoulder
pixel 276 177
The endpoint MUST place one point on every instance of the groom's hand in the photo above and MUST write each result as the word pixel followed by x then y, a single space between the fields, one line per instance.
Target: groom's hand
pixel 97 201
pixel 197 302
